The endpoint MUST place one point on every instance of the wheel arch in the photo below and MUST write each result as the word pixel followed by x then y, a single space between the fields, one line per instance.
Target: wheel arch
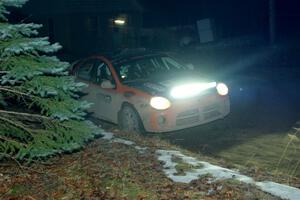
pixel 133 107
pixel 126 103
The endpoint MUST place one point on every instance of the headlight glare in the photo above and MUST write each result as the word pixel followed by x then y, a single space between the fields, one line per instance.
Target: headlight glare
pixel 222 89
pixel 160 103
pixel 191 90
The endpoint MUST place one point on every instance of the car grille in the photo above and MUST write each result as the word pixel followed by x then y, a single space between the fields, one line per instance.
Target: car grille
pixel 211 114
pixel 188 120
pixel 187 117
pixel 188 113
pixel 210 107
pixel 210 111
pixel 193 116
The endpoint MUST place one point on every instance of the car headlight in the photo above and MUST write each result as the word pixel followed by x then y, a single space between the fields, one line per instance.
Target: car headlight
pixel 160 103
pixel 222 89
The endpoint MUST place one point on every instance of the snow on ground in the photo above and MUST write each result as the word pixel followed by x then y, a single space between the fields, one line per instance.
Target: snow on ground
pixel 139 148
pixel 107 135
pixel 200 168
pixel 203 169
pixel 110 136
pixel 122 141
pixel 219 173
pixel 279 190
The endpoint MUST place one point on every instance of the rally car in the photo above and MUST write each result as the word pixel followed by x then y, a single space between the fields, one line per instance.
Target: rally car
pixel 150 92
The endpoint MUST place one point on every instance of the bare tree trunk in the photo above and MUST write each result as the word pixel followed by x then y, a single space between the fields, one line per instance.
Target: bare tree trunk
pixel 272 22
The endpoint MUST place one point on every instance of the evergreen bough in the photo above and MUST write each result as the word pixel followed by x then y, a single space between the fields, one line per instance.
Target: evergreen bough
pixel 40 114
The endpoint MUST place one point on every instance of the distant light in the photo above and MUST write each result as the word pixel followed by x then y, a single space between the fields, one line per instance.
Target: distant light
pixel 119 21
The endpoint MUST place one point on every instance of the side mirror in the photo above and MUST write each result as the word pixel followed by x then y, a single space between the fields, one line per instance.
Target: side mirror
pixel 107 84
pixel 190 66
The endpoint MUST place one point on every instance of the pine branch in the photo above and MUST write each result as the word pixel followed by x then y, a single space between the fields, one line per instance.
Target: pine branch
pixel 12 123
pixel 36 81
pixel 13 159
pixel 50 120
pixel 14 91
pixel 11 140
pixel 24 114
pixel 23 168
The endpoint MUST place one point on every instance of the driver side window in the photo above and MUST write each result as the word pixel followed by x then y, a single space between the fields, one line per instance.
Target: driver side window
pixel 84 71
pixel 101 75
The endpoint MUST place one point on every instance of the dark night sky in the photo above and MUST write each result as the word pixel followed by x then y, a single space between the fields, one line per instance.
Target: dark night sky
pixel 168 12
pixel 180 12
pixel 229 13
pixel 174 12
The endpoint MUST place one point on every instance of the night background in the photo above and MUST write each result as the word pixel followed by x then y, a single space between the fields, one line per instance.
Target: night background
pixel 253 46
pixel 150 22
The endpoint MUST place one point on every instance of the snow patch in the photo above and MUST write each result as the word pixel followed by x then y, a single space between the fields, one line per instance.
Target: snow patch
pixel 110 136
pixel 122 141
pixel 107 135
pixel 218 173
pixel 141 149
pixel 279 190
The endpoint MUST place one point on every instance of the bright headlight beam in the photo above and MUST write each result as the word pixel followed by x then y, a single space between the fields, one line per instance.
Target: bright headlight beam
pixel 190 90
pixel 160 103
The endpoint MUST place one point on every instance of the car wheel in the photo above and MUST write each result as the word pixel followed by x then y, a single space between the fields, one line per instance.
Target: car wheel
pixel 130 121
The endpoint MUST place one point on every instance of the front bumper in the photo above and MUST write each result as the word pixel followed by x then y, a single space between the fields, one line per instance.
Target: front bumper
pixel 187 113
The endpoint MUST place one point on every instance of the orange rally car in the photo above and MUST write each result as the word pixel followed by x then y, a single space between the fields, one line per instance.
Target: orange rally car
pixel 150 92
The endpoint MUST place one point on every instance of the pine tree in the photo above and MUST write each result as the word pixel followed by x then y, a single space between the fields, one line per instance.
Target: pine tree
pixel 40 113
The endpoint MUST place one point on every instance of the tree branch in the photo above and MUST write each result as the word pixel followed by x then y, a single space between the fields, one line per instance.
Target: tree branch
pixel 24 114
pixel 15 92
pixel 10 140
pixel 22 167
pixel 16 125
pixel 14 159
pixel 50 120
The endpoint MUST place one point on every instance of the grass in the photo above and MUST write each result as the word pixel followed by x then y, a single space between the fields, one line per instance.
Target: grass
pixel 265 155
pixel 276 153
pixel 256 138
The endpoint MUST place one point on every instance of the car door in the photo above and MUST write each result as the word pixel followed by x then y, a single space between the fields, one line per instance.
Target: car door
pixel 105 101
pixel 84 74
pixel 107 97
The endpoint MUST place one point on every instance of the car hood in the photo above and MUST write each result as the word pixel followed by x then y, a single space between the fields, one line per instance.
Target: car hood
pixel 161 84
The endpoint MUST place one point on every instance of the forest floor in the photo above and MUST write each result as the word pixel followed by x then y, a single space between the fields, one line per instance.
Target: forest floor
pixel 116 170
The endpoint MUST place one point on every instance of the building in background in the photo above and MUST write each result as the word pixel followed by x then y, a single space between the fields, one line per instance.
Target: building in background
pixel 85 27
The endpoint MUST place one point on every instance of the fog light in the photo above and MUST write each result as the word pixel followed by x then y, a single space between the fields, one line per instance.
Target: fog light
pixel 161 120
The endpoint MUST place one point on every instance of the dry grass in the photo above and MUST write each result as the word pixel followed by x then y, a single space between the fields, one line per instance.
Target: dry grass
pixel 277 154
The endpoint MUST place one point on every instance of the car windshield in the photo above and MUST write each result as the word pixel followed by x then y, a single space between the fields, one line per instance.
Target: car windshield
pixel 144 67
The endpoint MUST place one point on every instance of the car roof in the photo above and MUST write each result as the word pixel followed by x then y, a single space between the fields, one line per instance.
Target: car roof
pixel 126 55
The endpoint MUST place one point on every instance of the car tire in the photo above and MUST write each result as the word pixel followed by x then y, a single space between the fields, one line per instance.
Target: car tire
pixel 130 121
